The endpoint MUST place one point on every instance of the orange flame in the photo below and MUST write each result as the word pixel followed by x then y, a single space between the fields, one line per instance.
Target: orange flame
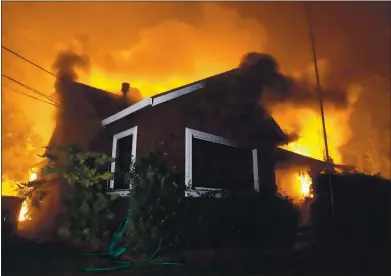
pixel 33 176
pixel 305 184
pixel 23 215
pixel 307 123
pixel 24 211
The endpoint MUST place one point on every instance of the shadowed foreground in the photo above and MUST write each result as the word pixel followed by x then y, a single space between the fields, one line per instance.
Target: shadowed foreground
pixel 21 257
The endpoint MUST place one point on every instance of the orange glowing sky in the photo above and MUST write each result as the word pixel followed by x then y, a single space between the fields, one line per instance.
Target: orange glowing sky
pixel 158 46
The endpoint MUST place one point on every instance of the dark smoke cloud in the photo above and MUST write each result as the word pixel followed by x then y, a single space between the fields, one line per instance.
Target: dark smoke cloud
pixel 277 88
pixel 259 61
pixel 76 119
pixel 303 93
pixel 67 62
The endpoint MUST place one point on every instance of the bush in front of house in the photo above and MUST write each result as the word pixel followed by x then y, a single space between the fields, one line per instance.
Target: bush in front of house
pixel 155 205
pixel 158 211
pixel 361 214
pixel 87 208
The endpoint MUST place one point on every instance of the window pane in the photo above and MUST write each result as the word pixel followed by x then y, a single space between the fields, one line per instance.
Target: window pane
pixel 123 162
pixel 220 166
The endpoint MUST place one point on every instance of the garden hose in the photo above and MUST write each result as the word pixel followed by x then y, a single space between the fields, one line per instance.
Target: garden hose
pixel 114 253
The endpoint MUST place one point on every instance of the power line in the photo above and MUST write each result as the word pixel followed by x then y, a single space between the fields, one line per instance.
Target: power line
pixel 31 89
pixel 29 61
pixel 36 65
pixel 27 95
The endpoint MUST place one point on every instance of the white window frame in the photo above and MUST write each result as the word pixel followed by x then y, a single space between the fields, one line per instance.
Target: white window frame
pixel 116 137
pixel 191 134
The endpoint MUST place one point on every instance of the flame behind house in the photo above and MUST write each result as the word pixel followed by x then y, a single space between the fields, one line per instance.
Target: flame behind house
pixel 291 100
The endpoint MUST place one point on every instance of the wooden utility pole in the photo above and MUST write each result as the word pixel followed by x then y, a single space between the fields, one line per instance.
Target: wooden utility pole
pixel 318 87
pixel 319 90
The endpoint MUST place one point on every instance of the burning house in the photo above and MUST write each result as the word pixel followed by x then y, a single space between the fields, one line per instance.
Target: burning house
pixel 214 131
pixel 216 134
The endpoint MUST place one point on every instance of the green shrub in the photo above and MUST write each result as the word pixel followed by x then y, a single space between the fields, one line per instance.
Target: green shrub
pixel 84 177
pixel 154 205
pixel 158 211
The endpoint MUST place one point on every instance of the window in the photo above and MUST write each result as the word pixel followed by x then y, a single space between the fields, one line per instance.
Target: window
pixel 124 152
pixel 215 163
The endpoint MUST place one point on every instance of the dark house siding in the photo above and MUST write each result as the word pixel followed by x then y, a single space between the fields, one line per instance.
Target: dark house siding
pixel 165 123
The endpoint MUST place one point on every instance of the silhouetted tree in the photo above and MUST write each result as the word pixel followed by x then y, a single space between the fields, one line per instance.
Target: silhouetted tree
pixel 20 144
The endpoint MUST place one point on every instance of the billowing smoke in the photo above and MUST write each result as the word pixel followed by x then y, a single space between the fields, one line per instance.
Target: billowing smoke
pixel 280 89
pixel 75 119
pixel 67 62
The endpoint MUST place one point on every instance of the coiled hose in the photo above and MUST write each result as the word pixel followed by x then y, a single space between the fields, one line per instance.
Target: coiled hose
pixel 114 252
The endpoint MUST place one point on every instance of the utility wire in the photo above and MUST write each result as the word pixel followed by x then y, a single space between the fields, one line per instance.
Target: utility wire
pixel 31 89
pixel 29 61
pixel 36 65
pixel 27 95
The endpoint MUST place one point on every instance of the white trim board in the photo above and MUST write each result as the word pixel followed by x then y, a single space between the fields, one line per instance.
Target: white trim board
pixel 190 134
pixel 178 93
pixel 116 137
pixel 153 102
pixel 127 111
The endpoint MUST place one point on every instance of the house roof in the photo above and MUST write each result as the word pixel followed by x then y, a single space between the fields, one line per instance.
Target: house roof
pixel 162 97
pixel 104 103
pixel 178 92
pixel 230 72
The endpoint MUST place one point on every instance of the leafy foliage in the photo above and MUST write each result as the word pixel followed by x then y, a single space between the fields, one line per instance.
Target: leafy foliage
pixel 155 204
pixel 159 211
pixel 87 209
